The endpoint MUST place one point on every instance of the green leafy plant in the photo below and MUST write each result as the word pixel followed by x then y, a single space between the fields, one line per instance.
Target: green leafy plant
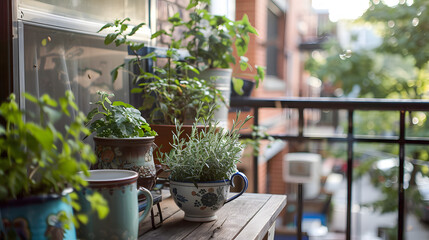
pixel 174 95
pixel 170 92
pixel 38 158
pixel 209 39
pixel 117 119
pixel 209 153
pixel 120 36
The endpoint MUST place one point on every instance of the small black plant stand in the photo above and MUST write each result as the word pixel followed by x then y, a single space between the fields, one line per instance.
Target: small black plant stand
pixel 157 198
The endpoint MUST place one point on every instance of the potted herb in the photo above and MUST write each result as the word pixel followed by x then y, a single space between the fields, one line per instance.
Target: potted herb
pixel 163 86
pixel 123 139
pixel 174 97
pixel 202 167
pixel 39 168
pixel 169 92
pixel 210 40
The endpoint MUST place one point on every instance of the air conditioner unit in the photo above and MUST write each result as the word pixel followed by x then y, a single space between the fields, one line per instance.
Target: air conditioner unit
pixel 303 168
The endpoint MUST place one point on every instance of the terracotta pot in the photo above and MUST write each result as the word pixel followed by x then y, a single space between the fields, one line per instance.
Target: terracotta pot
pixel 165 137
pixel 134 154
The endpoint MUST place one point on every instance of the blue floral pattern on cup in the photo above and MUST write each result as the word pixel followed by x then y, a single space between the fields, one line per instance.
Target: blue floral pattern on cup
pixel 209 198
pixel 180 199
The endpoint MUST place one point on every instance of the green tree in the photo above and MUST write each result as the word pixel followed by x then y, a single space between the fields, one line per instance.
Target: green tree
pixel 398 68
pixel 404 28
pixel 374 74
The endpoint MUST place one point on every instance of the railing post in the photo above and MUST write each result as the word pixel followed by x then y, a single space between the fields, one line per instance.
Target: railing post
pixel 300 122
pixel 255 158
pixel 401 192
pixel 350 141
pixel 300 211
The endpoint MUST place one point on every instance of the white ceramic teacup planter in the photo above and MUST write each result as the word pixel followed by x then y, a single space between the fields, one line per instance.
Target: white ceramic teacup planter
pixel 201 203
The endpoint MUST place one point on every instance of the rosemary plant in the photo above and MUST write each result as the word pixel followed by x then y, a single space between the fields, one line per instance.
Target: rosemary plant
pixel 209 153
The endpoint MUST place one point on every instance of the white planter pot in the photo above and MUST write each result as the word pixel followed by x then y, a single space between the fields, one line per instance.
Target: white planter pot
pixel 222 78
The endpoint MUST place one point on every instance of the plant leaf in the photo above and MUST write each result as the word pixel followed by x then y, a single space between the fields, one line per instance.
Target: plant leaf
pixel 108 25
pixel 260 75
pixel 120 103
pixel 110 38
pixel 158 33
pixel 135 29
pixel 114 72
pixel 237 84
pixel 91 114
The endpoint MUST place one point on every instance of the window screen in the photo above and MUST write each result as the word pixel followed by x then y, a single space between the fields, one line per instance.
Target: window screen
pixel 90 10
pixel 56 61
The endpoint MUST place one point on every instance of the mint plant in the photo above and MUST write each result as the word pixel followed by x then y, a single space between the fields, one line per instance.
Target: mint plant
pixel 117 119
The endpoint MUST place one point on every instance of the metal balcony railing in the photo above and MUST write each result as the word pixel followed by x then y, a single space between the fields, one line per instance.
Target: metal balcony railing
pixel 350 105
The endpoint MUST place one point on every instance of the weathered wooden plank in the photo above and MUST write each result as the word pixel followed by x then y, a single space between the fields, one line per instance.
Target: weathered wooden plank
pixel 249 213
pixel 173 228
pixel 232 217
pixel 264 219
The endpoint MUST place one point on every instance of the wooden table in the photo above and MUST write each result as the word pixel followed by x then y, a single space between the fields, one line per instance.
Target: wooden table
pixel 251 216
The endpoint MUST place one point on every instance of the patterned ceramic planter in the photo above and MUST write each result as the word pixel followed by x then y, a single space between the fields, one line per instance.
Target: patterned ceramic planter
pixel 134 154
pixel 201 203
pixel 36 217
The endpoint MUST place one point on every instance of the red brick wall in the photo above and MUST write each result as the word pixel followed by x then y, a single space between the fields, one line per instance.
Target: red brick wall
pixel 256 11
pixel 281 59
pixel 275 168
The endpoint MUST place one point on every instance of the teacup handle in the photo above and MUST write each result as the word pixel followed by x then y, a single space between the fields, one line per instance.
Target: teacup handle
pixel 246 184
pixel 149 200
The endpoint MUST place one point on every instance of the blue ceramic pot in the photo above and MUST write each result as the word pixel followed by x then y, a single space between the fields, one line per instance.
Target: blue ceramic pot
pixel 36 217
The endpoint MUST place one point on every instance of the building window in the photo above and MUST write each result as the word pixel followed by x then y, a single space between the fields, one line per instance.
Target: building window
pixel 272 41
